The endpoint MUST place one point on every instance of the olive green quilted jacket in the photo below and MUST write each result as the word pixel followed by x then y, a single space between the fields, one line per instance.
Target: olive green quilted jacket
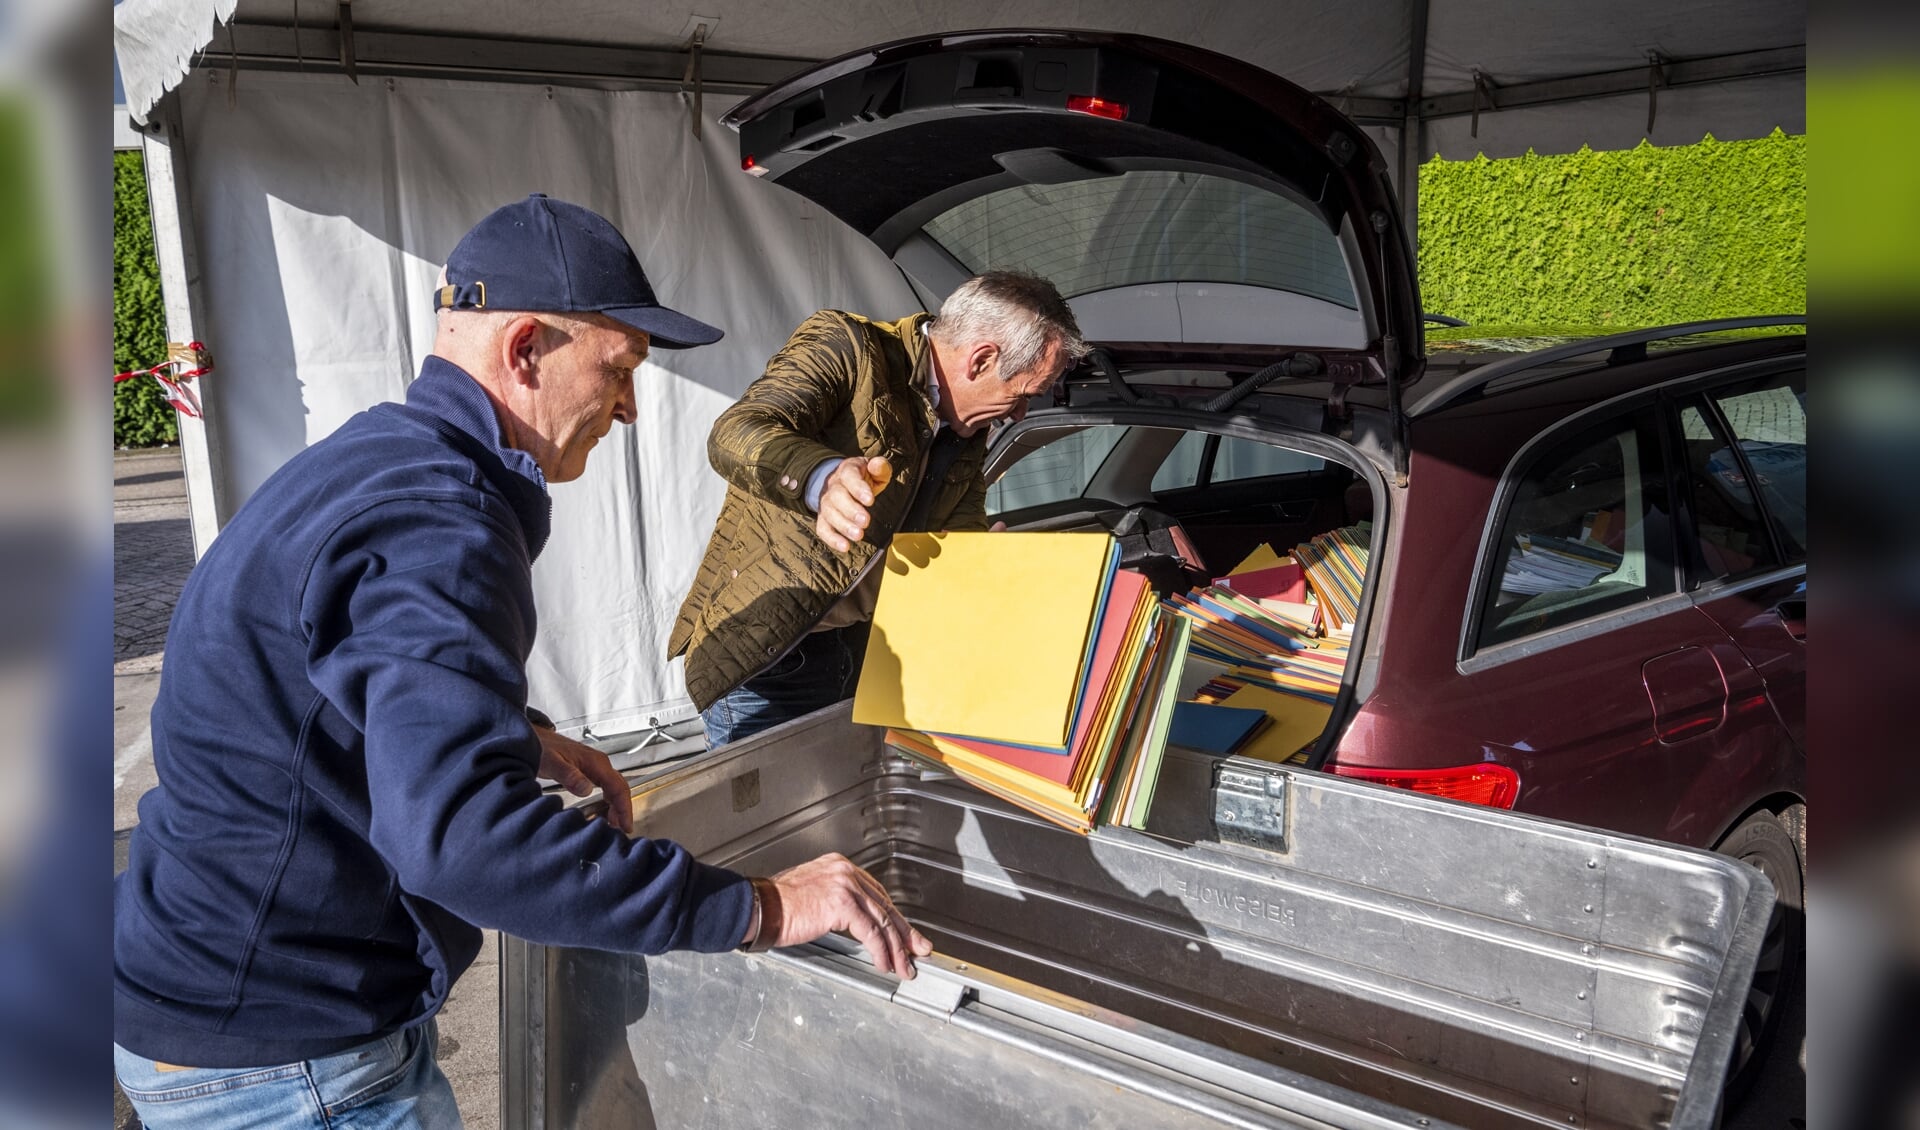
pixel 843 385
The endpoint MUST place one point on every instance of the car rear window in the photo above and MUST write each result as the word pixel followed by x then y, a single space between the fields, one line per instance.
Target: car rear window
pixel 1587 530
pixel 1149 226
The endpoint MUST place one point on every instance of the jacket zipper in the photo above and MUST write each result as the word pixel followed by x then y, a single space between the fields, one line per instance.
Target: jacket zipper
pixel 878 554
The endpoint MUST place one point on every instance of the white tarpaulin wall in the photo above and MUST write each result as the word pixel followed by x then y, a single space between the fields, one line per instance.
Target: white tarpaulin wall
pixel 324 211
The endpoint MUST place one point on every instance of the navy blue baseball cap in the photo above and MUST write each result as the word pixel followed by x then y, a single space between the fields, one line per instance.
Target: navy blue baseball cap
pixel 549 256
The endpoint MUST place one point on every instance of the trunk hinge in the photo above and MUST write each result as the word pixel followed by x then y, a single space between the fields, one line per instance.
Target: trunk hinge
pixel 1337 421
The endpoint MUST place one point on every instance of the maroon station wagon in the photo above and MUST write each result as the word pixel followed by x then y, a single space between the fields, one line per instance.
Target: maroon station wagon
pixel 1585 595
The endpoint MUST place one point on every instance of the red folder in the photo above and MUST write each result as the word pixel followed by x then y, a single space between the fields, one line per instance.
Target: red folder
pixel 1280 582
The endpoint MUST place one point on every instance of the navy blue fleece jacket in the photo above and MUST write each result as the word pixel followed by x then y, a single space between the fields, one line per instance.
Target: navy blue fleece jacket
pixel 346 770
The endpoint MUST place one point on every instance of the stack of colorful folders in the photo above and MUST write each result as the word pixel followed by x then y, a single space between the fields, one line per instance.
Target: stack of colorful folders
pixel 1259 644
pixel 1335 565
pixel 1027 665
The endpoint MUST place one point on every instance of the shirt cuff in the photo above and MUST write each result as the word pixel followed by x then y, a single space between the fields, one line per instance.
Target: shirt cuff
pixel 817 482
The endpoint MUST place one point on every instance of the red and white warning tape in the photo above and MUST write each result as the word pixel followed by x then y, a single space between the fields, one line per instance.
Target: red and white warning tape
pixel 183 363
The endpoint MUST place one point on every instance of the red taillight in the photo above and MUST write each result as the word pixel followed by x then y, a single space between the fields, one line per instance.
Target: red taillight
pixel 1098 107
pixel 749 165
pixel 1495 786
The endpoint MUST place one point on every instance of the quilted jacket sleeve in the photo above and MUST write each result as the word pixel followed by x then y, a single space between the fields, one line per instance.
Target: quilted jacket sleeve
pixel 768 442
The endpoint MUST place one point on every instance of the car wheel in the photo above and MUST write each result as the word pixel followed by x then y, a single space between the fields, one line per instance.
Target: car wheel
pixel 1763 844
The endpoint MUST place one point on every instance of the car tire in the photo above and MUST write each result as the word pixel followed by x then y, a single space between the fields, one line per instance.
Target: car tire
pixel 1764 843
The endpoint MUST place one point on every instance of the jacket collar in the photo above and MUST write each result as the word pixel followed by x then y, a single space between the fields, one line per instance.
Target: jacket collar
pixel 465 415
pixel 913 337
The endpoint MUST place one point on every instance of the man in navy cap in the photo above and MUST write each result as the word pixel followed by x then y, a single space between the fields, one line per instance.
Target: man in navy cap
pixel 347 766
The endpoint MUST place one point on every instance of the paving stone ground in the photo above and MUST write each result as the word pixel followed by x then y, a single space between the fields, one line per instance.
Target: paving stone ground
pixel 152 552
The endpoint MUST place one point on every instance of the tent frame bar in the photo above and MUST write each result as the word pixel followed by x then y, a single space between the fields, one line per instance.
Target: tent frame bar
pixel 1633 80
pixel 177 251
pixel 272 47
pixel 1412 129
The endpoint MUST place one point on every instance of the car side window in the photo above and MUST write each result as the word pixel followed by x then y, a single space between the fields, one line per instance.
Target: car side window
pixel 1182 466
pixel 1055 472
pixel 1587 530
pixel 1250 459
pixel 1729 532
pixel 1769 420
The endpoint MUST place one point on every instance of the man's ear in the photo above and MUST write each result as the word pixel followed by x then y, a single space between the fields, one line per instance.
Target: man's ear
pixel 980 360
pixel 522 343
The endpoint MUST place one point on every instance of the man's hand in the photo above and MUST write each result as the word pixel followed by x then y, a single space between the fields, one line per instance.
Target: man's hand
pixel 580 769
pixel 844 501
pixel 830 893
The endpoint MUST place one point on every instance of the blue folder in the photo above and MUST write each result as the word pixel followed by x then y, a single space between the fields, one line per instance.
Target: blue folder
pixel 1212 729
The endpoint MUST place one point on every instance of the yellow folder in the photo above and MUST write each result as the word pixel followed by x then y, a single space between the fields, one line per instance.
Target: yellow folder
pixel 983 634
pixel 1262 557
pixel 1296 722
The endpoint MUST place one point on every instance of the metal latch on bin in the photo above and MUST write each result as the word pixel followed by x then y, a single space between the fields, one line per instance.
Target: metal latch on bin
pixel 933 991
pixel 1250 807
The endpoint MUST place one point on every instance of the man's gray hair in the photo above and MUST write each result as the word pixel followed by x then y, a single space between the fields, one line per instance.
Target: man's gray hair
pixel 1019 312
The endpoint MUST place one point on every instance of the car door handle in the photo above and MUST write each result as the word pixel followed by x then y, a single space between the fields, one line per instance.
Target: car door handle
pixel 1793 614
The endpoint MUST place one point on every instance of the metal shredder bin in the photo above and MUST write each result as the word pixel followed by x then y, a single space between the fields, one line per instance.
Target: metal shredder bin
pixel 1280 948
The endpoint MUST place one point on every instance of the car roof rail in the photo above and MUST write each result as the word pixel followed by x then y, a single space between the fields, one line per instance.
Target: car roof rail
pixel 1621 348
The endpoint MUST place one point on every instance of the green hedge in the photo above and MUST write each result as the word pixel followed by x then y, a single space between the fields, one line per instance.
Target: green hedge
pixel 141 415
pixel 1637 237
pixel 28 372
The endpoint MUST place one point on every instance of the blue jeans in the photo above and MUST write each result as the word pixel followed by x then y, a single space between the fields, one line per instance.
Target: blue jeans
pixel 822 669
pixel 387 1084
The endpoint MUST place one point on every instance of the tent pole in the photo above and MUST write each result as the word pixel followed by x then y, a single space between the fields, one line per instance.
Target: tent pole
pixel 176 248
pixel 1412 126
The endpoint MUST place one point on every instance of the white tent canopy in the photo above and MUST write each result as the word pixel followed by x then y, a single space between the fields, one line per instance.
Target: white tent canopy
pixel 315 161
pixel 1468 76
